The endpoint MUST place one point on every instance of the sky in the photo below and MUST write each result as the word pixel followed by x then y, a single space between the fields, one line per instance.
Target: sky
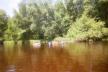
pixel 10 5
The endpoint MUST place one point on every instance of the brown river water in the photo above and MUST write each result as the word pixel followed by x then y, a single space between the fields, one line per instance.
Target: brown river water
pixel 71 57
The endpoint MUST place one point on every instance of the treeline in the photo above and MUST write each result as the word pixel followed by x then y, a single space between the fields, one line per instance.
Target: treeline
pixel 43 19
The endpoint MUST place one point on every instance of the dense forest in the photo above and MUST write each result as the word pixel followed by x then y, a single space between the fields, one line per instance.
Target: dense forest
pixel 43 19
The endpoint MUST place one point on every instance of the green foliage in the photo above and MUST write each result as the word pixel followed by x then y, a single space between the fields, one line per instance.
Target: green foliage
pixel 89 25
pixel 42 19
pixel 102 10
pixel 74 8
pixel 86 28
pixel 12 32
pixel 3 23
pixel 48 21
pixel 105 32
pixel 22 21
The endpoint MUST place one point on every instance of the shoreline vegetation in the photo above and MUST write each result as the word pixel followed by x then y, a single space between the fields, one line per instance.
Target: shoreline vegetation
pixel 59 40
pixel 65 20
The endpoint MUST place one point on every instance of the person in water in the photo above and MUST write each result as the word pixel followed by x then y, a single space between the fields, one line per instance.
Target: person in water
pixel 50 44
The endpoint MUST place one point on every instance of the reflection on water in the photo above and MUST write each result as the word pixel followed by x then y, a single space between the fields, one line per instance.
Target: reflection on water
pixel 11 68
pixel 78 57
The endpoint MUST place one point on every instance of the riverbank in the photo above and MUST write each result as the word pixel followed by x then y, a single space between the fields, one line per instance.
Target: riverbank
pixel 58 39
pixel 74 40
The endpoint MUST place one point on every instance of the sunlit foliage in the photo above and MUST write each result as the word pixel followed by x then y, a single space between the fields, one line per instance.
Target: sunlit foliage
pixel 46 20
pixel 3 23
pixel 86 28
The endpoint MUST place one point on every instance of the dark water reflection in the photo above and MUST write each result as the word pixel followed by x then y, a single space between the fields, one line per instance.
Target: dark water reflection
pixel 79 57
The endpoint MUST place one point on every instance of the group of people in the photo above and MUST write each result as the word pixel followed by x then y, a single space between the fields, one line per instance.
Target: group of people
pixel 55 44
pixel 50 44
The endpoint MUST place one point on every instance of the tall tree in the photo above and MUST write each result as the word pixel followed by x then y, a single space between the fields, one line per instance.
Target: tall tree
pixel 23 21
pixel 3 23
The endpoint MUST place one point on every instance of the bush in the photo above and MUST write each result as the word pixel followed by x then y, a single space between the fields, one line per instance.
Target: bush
pixel 86 28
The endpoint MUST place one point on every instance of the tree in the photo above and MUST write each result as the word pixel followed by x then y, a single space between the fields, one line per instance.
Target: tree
pixel 86 28
pixel 62 19
pixel 42 19
pixel 23 21
pixel 101 9
pixel 3 23
pixel 12 32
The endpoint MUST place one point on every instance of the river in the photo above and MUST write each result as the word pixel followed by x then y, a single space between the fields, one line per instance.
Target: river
pixel 72 57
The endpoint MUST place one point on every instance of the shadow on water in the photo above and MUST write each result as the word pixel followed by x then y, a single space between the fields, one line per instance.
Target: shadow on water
pixel 77 57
